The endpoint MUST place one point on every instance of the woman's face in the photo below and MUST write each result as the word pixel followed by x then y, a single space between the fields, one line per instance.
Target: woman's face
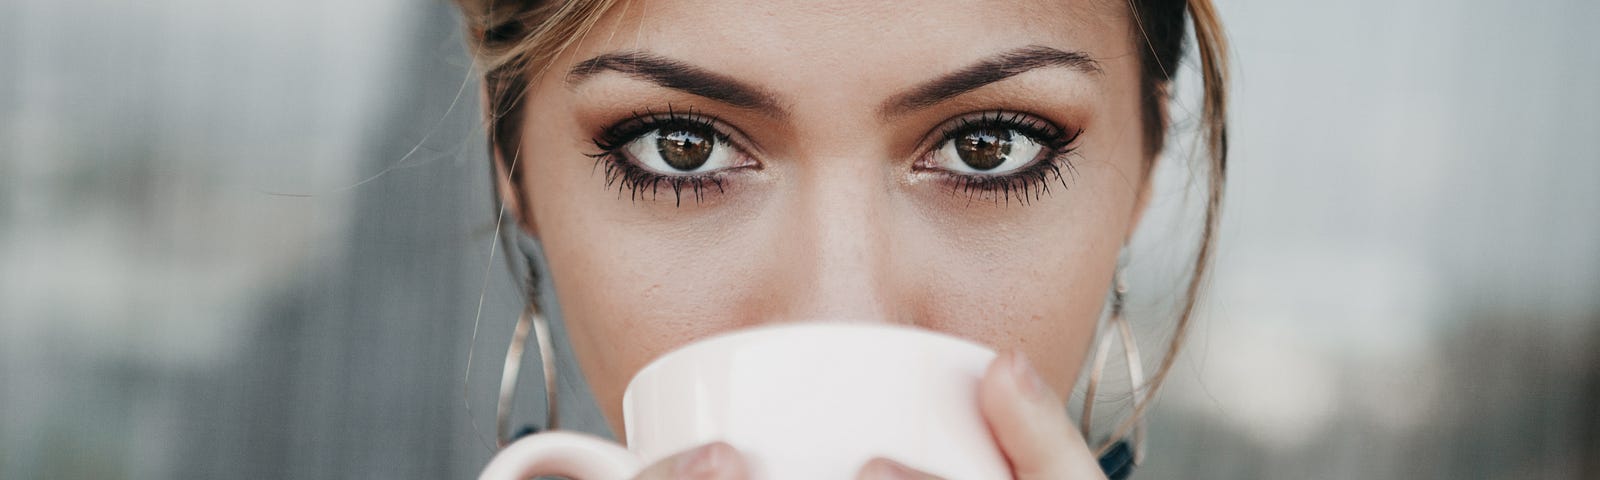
pixel 698 166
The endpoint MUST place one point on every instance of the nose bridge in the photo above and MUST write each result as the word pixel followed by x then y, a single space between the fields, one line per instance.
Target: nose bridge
pixel 842 239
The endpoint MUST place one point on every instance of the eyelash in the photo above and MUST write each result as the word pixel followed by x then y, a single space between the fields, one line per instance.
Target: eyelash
pixel 1031 182
pixel 629 176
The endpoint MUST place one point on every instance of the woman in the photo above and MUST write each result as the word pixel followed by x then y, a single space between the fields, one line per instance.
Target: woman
pixel 975 168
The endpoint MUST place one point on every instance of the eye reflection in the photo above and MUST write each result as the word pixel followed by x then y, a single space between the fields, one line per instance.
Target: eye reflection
pixel 984 149
pixel 684 149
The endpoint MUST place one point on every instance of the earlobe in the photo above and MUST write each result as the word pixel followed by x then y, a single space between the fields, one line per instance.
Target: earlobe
pixel 508 190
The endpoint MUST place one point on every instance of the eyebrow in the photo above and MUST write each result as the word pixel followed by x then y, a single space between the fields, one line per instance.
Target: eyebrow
pixel 990 70
pixel 694 80
pixel 679 76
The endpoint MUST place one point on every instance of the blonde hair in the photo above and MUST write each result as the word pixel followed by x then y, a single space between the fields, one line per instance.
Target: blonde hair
pixel 515 41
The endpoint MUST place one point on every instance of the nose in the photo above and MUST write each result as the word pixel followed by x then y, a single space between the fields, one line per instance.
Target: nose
pixel 837 244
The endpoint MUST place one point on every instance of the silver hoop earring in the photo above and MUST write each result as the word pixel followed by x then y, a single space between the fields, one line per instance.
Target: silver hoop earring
pixel 1116 325
pixel 530 319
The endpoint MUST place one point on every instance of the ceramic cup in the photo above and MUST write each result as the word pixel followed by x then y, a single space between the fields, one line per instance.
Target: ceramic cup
pixel 800 401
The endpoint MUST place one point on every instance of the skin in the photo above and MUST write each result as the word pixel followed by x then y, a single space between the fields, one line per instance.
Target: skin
pixel 835 223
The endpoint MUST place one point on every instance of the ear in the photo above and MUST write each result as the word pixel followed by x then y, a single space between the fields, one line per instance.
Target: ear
pixel 511 195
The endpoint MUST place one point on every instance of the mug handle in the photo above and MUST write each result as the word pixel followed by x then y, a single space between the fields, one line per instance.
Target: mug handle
pixel 568 454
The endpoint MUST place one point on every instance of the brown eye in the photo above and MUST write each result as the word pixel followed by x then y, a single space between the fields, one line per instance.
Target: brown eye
pixel 984 149
pixel 685 149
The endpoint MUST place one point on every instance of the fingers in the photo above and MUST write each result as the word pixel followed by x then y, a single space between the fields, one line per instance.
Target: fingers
pixel 718 461
pixel 1030 423
pixel 885 469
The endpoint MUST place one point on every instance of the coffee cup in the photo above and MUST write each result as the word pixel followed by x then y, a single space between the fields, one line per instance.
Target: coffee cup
pixel 799 401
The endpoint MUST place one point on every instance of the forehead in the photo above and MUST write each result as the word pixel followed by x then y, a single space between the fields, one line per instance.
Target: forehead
pixel 854 41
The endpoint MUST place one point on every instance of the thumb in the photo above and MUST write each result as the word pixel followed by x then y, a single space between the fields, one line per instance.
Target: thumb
pixel 1030 423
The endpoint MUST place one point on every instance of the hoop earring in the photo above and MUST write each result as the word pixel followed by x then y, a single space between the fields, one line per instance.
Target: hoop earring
pixel 530 319
pixel 1115 456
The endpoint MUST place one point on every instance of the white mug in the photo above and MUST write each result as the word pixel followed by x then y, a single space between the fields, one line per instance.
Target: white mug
pixel 799 401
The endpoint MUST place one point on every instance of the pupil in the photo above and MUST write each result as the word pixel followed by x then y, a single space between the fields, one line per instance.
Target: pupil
pixel 984 149
pixel 684 149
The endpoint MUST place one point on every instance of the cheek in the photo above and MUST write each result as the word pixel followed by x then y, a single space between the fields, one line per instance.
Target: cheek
pixel 630 289
pixel 1045 307
pixel 1036 284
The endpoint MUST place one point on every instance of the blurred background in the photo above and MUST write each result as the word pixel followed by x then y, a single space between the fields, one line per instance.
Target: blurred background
pixel 248 239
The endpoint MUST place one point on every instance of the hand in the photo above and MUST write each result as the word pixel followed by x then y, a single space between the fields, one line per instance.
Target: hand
pixel 718 461
pixel 1028 420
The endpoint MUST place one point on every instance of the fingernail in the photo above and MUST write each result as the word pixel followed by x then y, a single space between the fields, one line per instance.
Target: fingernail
pixel 1028 379
pixel 706 459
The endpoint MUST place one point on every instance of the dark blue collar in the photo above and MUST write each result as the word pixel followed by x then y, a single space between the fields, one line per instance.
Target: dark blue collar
pixel 1118 461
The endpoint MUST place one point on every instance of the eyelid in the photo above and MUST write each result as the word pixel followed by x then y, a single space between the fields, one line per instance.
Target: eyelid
pixel 1046 132
pixel 639 123
pixel 639 179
